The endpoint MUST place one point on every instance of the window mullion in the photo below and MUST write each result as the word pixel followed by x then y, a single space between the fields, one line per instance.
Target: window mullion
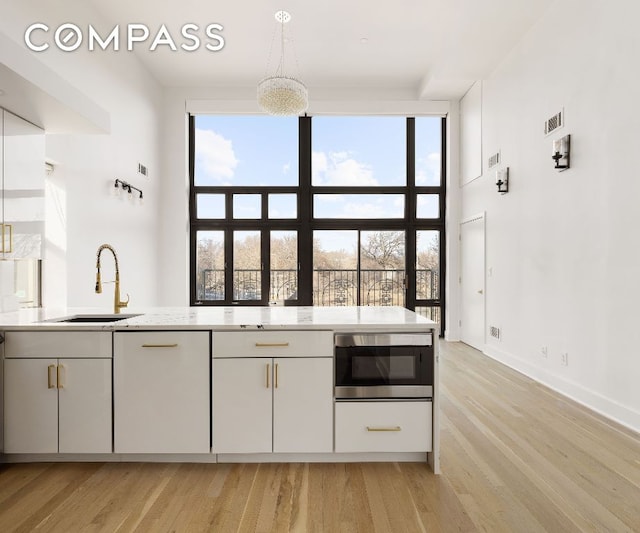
pixel 305 200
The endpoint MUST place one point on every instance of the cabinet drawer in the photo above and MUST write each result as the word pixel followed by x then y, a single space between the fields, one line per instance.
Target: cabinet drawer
pixel 383 426
pixel 149 343
pixel 273 343
pixel 85 344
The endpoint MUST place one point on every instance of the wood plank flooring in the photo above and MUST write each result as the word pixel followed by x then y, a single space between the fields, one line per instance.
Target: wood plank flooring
pixel 516 457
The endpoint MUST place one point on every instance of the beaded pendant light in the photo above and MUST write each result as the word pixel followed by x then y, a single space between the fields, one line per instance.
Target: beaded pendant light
pixel 280 94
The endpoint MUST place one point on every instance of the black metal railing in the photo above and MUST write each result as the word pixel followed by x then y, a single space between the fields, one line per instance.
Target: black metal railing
pixel 330 286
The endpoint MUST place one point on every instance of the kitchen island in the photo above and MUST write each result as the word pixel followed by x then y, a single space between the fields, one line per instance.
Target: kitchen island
pixel 222 384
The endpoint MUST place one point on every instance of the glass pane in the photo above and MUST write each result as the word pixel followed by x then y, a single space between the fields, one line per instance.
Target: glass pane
pixel 358 206
pixel 247 265
pixel 427 265
pixel 428 150
pixel 335 263
pixel 27 276
pixel 246 150
pixel 210 265
pixel 432 313
pixel 283 285
pixel 428 206
pixel 382 260
pixel 359 151
pixel 210 206
pixel 247 206
pixel 283 206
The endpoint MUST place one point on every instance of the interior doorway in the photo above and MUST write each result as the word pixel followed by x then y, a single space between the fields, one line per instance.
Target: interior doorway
pixel 472 281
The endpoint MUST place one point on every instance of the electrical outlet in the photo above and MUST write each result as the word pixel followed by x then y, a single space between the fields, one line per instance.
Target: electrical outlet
pixel 564 359
pixel 544 351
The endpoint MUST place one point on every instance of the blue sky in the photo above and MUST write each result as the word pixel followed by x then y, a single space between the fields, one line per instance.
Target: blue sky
pixel 357 151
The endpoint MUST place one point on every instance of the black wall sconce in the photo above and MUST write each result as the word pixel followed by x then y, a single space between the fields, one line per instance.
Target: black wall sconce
pixel 561 152
pixel 120 184
pixel 502 180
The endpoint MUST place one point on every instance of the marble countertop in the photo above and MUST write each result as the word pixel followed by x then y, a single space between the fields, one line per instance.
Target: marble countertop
pixel 225 318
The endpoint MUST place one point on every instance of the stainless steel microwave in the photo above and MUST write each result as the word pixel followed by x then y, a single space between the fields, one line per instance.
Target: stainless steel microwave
pixel 391 365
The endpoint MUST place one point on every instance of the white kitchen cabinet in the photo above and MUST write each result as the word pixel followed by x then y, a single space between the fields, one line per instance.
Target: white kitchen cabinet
pixel 84 406
pixel 303 405
pixel 263 405
pixel 57 405
pixel 242 405
pixel 382 426
pixel 30 406
pixel 161 392
pixel 23 182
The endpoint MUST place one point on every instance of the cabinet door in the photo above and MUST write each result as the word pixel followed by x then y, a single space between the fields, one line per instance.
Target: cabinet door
pixel 23 189
pixel 242 402
pixel 161 392
pixel 30 406
pixel 303 405
pixel 84 399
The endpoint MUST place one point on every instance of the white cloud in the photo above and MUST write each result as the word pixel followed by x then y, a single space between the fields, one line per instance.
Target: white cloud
pixel 286 167
pixel 368 207
pixel 338 168
pixel 428 169
pixel 215 158
pixel 319 164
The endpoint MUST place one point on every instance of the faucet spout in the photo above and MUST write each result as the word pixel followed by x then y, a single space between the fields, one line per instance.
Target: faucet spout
pixel 117 303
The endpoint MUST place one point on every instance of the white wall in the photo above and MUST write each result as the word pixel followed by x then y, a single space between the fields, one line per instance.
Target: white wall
pixel 82 213
pixel 562 247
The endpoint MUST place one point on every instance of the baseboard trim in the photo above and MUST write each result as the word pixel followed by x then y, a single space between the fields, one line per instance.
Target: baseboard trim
pixel 370 457
pixel 595 401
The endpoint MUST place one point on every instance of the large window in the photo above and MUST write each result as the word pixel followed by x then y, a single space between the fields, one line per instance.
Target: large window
pixel 317 211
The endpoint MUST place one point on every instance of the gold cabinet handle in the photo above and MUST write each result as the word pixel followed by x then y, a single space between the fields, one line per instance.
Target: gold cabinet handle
pixel 51 375
pixel 4 234
pixel 391 428
pixel 276 375
pixel 61 373
pixel 160 345
pixel 267 375
pixel 271 344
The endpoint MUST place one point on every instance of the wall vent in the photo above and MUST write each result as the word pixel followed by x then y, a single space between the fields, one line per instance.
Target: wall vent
pixel 553 123
pixel 143 170
pixel 494 160
pixel 494 332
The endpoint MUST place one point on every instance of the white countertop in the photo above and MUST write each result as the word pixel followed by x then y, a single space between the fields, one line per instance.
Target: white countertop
pixel 227 318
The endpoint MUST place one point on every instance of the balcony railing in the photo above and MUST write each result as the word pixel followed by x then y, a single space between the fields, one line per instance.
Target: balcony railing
pixel 330 286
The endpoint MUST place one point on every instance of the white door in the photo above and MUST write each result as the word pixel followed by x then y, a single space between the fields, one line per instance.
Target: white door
pixel 472 284
pixel 242 405
pixel 30 406
pixel 303 405
pixel 161 392
pixel 84 397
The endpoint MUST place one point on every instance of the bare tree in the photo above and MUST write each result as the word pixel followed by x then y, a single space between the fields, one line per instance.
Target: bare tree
pixel 246 253
pixel 384 249
pixel 429 255
pixel 332 259
pixel 284 253
pixel 210 254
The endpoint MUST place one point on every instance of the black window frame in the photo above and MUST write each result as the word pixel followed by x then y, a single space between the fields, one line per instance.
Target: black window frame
pixel 305 223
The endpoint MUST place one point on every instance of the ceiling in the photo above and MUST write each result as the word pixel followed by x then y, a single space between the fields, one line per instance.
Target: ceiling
pixel 419 49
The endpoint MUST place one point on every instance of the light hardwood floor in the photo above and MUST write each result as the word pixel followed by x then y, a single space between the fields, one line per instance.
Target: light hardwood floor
pixel 516 457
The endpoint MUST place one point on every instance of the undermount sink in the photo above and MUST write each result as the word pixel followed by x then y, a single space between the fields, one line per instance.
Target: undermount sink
pixel 93 318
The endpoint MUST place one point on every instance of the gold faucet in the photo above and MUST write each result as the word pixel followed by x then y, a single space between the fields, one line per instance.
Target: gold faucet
pixel 117 303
